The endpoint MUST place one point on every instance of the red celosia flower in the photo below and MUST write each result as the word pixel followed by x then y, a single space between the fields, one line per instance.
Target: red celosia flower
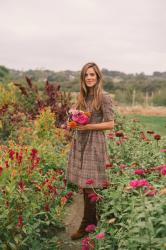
pixel 90 228
pixel 139 171
pixel 46 207
pixel 33 152
pixel 1 169
pixel 21 185
pixel 65 181
pixel 69 195
pixel 157 137
pixel 20 221
pixel 19 157
pixel 100 236
pixel 11 154
pixel 7 164
pixel 89 181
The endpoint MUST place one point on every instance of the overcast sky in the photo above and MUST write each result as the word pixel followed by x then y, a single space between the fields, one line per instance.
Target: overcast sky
pixel 124 35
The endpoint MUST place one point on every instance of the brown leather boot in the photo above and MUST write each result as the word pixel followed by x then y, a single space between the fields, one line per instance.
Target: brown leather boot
pixel 88 218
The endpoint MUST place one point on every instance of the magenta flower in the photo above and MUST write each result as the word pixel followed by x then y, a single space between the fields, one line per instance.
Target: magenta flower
pixel 139 183
pixel 100 236
pixel 163 171
pixel 139 171
pixel 163 150
pixel 94 197
pixel 85 243
pixel 89 181
pixel 90 228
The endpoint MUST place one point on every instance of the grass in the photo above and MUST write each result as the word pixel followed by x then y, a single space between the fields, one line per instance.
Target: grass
pixel 155 123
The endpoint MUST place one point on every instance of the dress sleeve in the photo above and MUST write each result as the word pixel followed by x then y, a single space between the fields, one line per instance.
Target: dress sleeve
pixel 107 108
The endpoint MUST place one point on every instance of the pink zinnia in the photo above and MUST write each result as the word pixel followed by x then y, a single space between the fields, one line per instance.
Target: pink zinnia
pixel 163 171
pixel 139 183
pixel 100 236
pixel 139 171
pixel 20 221
pixel 163 150
pixel 85 243
pixel 80 118
pixel 94 197
pixel 89 181
pixel 90 228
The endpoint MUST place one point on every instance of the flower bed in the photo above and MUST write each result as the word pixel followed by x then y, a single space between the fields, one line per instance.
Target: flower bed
pixel 133 204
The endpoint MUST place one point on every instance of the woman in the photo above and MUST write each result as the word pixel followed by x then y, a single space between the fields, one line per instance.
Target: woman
pixel 88 154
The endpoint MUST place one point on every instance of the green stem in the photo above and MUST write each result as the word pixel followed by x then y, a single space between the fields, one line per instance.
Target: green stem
pixel 146 218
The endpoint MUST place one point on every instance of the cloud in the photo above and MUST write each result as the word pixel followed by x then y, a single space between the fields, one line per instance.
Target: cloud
pixel 125 35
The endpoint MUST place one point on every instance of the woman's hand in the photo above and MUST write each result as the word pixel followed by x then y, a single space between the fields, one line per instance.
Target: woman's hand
pixel 84 127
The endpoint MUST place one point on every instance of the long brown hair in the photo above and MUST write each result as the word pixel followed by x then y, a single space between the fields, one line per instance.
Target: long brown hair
pixel 98 88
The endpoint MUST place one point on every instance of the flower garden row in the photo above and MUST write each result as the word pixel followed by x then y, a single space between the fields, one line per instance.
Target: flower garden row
pixel 132 204
pixel 33 192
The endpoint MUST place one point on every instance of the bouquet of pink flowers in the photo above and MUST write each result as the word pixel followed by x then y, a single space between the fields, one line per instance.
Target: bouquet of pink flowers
pixel 78 117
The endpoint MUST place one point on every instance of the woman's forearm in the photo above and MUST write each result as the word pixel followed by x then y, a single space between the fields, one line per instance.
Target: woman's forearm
pixel 97 126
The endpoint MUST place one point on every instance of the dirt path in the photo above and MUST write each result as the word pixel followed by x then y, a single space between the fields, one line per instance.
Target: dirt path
pixel 71 221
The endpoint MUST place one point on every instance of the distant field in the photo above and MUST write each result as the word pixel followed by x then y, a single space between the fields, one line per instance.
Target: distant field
pixel 155 123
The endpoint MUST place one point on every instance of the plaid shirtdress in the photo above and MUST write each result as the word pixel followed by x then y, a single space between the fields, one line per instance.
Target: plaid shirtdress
pixel 88 154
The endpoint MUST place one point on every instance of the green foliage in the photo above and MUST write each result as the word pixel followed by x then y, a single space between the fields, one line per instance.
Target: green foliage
pixel 155 123
pixel 133 218
pixel 159 98
pixel 31 200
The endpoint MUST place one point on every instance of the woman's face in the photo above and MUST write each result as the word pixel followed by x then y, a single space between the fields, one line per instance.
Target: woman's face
pixel 90 77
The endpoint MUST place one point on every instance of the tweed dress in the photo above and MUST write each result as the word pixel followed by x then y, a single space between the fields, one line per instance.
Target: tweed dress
pixel 88 153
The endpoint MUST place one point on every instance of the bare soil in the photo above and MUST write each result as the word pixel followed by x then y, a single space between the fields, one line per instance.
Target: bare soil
pixel 72 220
